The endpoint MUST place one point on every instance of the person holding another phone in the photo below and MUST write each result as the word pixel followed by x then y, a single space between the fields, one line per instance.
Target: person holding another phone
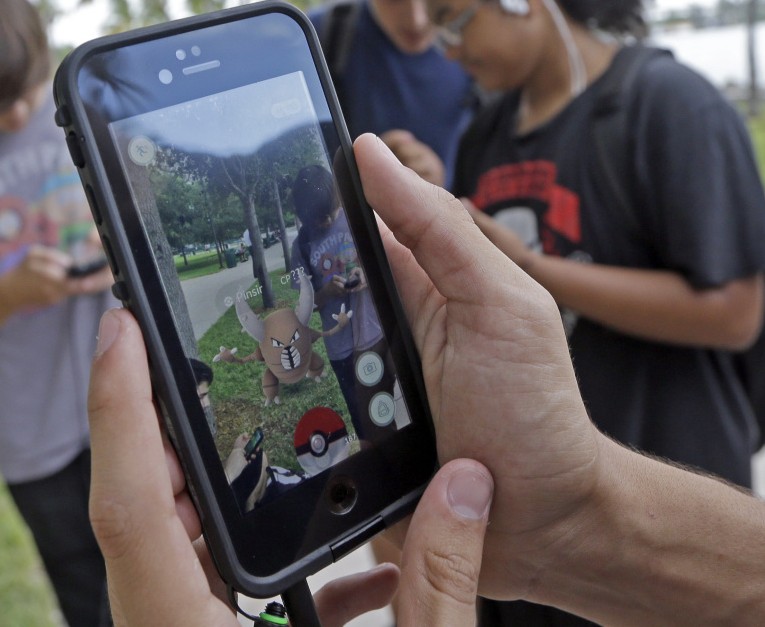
pixel 324 249
pixel 577 521
pixel 49 312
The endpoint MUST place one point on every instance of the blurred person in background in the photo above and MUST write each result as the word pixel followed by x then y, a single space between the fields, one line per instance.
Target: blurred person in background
pixel 392 80
pixel 655 289
pixel 48 322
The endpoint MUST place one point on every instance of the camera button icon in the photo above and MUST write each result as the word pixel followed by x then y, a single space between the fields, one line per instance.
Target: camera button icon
pixel 369 368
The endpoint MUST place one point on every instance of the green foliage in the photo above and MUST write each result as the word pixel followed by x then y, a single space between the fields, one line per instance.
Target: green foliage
pixel 237 395
pixel 26 597
pixel 757 130
pixel 196 265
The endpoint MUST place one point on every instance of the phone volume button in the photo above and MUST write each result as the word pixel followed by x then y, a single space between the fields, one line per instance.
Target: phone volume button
pixel 62 116
pixel 75 150
pixel 120 292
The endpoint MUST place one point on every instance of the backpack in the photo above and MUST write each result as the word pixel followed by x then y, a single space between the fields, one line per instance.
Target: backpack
pixel 610 128
pixel 336 33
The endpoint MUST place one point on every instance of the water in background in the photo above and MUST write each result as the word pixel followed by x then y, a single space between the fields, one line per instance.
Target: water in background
pixel 720 54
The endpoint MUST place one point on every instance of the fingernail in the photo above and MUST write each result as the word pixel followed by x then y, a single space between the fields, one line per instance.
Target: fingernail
pixel 469 493
pixel 108 331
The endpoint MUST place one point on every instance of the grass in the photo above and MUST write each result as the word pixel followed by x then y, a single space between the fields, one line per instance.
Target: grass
pixel 237 394
pixel 26 598
pixel 198 264
pixel 757 130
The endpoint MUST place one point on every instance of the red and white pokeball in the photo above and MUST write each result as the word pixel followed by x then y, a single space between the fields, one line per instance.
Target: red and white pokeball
pixel 321 440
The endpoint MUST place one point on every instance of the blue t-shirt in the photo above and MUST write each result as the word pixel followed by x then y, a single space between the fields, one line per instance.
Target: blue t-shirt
pixel 382 88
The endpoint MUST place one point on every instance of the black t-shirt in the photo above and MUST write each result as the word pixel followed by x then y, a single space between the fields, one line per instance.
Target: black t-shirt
pixel 700 213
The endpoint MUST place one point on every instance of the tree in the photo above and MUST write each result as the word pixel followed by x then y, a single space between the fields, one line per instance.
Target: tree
pixel 751 29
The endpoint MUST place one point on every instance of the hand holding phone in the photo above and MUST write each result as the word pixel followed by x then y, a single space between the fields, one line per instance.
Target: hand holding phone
pixel 168 128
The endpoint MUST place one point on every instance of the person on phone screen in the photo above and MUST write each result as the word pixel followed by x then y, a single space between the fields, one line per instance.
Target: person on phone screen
pixel 253 479
pixel 49 311
pixel 531 501
pixel 324 249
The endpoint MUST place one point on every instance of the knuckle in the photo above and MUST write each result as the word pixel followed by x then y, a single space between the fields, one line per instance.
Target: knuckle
pixel 112 526
pixel 452 575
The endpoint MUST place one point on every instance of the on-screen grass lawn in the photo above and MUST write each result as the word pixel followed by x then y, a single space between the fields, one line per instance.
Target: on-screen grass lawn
pixel 237 394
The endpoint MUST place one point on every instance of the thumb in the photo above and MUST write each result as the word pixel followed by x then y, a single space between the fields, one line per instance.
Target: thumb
pixel 132 506
pixel 443 548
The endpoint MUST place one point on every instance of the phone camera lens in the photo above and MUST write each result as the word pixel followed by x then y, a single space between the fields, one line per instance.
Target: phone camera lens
pixel 342 495
pixel 165 77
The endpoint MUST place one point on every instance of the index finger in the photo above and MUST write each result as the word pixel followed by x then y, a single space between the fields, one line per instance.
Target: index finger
pixel 434 225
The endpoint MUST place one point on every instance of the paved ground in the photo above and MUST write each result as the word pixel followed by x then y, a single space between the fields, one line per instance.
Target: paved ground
pixel 206 295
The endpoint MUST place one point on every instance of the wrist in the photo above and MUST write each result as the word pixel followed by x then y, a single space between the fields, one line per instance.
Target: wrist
pixel 581 546
pixel 654 545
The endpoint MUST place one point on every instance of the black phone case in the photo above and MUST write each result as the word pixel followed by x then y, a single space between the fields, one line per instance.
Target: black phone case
pixel 129 288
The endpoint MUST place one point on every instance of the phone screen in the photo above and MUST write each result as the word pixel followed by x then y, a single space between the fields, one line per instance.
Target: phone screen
pixel 292 351
pixel 238 205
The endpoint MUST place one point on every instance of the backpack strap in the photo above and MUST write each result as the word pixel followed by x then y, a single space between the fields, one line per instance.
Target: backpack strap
pixel 336 33
pixel 611 128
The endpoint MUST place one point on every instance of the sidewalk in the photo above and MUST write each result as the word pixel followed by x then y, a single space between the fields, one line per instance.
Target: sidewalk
pixel 205 295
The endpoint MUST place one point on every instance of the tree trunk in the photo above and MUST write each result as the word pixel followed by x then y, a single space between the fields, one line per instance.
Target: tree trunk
pixel 751 25
pixel 282 228
pixel 259 269
pixel 147 205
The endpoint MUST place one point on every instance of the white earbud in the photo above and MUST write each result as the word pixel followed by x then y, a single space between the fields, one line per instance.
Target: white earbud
pixel 516 7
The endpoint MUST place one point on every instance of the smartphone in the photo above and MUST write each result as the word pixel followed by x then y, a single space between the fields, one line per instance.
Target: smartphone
pixel 87 268
pixel 191 137
pixel 254 442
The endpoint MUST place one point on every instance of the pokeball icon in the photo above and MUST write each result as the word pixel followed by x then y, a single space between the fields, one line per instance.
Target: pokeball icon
pixel 321 440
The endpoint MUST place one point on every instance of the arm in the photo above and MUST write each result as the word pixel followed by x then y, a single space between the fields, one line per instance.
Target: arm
pixel 661 545
pixel 657 305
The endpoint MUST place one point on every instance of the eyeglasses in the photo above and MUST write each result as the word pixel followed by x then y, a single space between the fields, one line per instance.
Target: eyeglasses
pixel 449 35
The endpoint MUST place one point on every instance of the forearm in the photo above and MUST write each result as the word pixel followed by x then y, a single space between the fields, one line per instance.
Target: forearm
pixel 662 547
pixel 657 305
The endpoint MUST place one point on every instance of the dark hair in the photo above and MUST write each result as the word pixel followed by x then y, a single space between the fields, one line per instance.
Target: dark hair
pixel 313 192
pixel 614 16
pixel 24 55
pixel 202 372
